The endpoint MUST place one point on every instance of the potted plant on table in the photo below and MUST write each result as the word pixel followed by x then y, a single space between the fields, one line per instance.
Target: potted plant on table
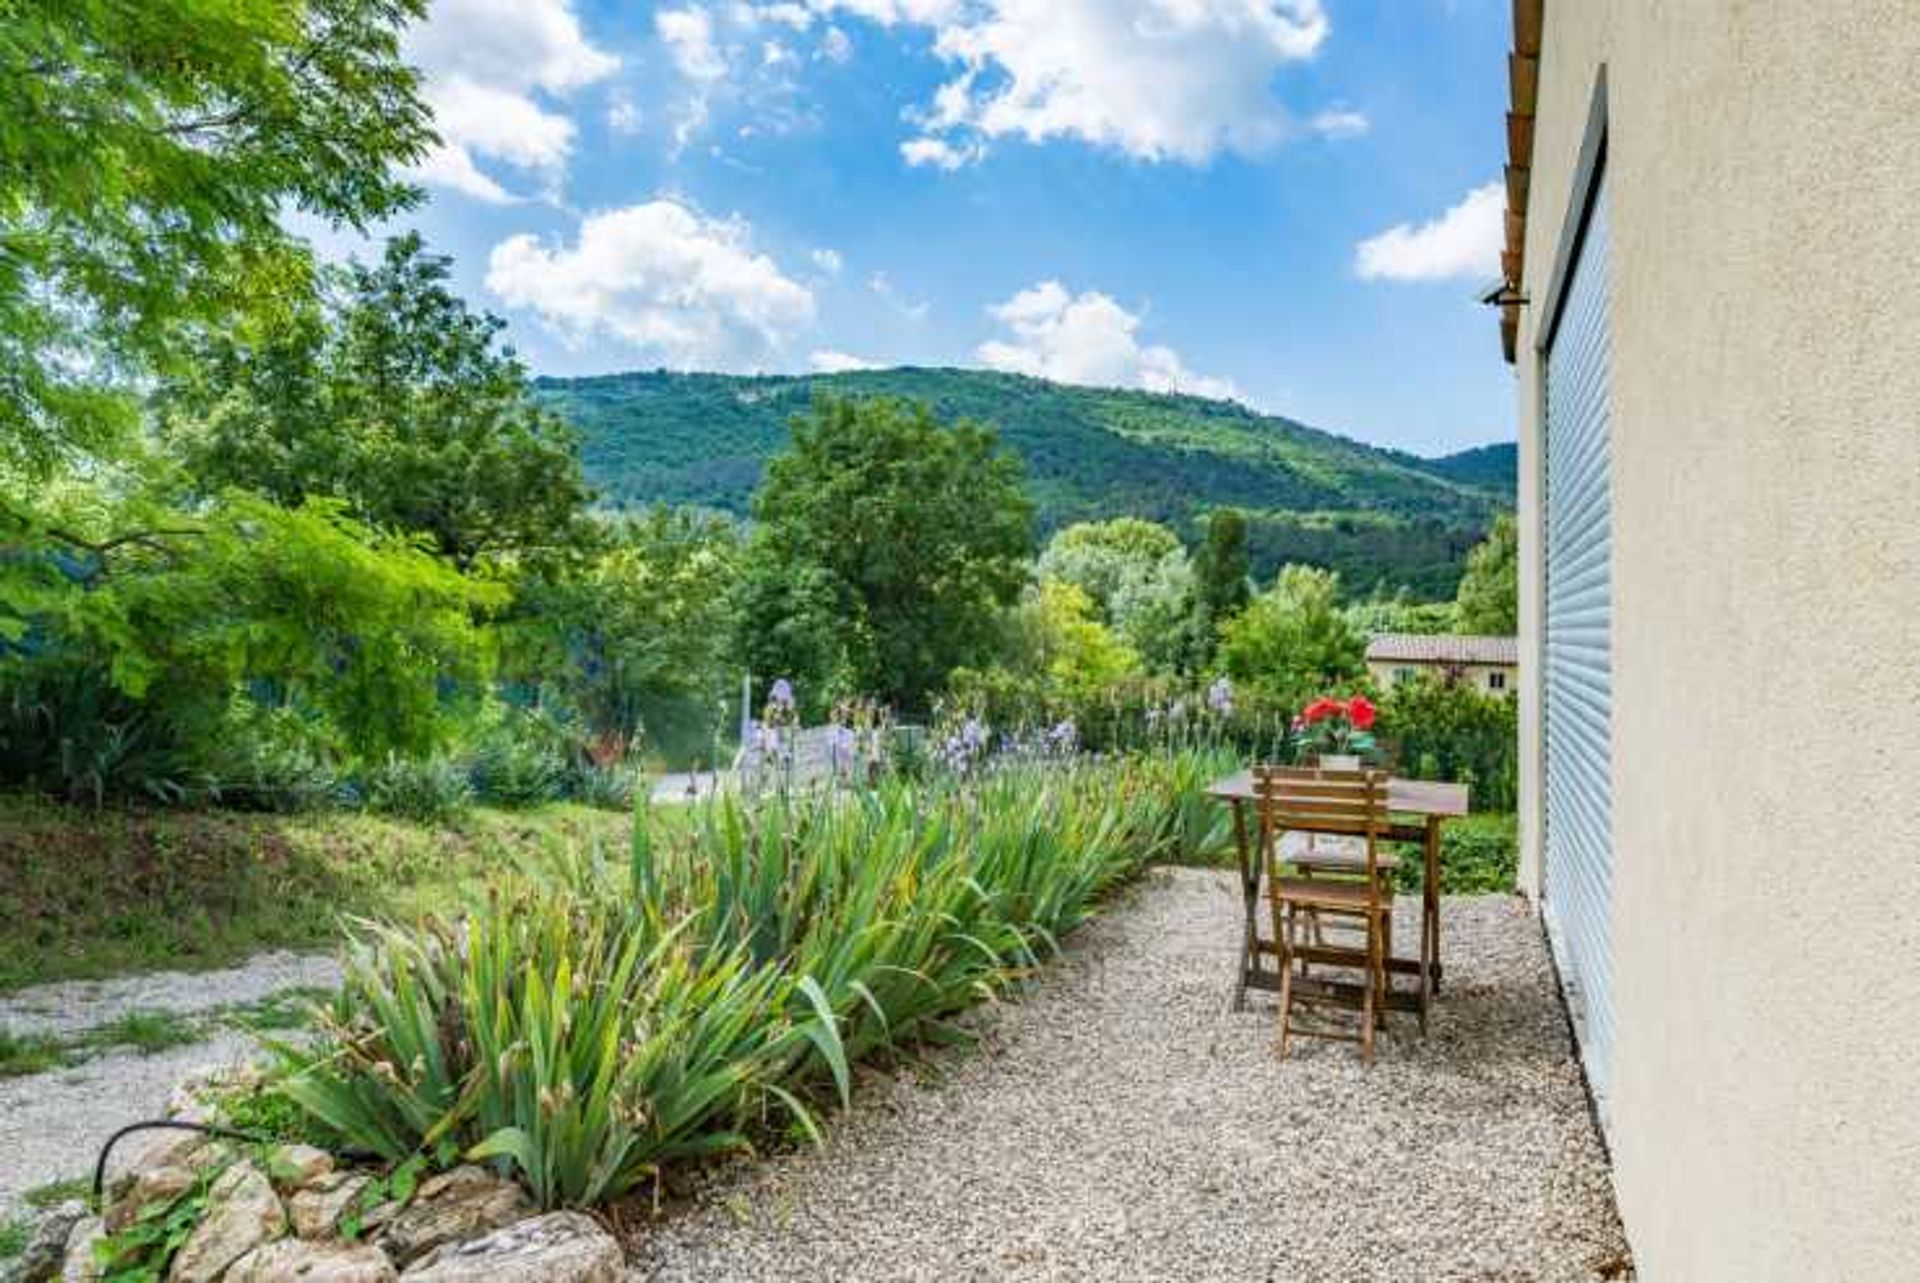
pixel 1337 733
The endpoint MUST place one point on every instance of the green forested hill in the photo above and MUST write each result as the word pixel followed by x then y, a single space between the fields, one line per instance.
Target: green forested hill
pixel 1491 467
pixel 1379 517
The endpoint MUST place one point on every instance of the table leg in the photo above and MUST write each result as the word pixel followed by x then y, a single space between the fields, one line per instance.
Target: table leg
pixel 1430 904
pixel 1249 954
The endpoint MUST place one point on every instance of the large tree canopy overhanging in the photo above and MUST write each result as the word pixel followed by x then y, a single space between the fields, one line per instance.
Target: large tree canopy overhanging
pixel 900 539
pixel 386 391
pixel 149 149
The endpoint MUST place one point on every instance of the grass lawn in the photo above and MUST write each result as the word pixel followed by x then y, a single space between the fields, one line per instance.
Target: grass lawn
pixel 85 894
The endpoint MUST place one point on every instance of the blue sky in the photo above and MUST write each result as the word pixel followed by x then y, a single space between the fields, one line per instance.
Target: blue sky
pixel 1286 201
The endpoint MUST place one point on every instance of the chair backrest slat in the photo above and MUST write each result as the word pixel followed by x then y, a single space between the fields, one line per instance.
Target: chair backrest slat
pixel 1293 799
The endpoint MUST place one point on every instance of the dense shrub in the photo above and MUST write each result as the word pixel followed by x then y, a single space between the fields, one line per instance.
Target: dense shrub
pixel 429 790
pixel 273 760
pixel 1478 853
pixel 66 730
pixel 518 769
pixel 611 787
pixel 1440 730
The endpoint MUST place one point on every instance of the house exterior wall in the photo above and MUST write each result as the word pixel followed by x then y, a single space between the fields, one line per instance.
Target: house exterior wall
pixel 1763 162
pixel 1479 676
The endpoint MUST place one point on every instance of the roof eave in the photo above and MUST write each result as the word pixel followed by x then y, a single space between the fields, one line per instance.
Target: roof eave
pixel 1523 91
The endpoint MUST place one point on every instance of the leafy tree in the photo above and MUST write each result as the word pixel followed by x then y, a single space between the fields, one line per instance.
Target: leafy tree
pixel 387 392
pixel 1292 641
pixel 1152 610
pixel 150 149
pixel 1220 575
pixel 1399 614
pixel 634 638
pixel 789 620
pixel 143 625
pixel 915 532
pixel 1489 598
pixel 1098 555
pixel 1064 645
pixel 1138 579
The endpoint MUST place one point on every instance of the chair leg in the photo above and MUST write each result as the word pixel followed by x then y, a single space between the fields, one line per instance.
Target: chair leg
pixel 1286 994
pixel 1366 1005
pixel 1386 955
pixel 1426 983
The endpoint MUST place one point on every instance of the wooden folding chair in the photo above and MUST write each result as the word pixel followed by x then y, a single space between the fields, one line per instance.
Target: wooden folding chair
pixel 1356 889
pixel 1314 855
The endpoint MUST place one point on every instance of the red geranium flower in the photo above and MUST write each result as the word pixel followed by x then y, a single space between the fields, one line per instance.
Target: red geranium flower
pixel 1322 707
pixel 1361 711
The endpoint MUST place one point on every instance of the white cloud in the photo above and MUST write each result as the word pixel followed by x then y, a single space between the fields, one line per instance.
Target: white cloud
pixel 485 61
pixel 688 289
pixel 940 153
pixel 453 168
pixel 828 261
pixel 1462 242
pixel 828 361
pixel 1178 80
pixel 889 12
pixel 1339 122
pixel 789 13
pixel 733 54
pixel 509 42
pixel 1087 338
pixel 624 115
pixel 504 125
pixel 836 46
pixel 688 35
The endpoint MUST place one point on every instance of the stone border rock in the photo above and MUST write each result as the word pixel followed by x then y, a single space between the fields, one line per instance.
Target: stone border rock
pixel 273 1215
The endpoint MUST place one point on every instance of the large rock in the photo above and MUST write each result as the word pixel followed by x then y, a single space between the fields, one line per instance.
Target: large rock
pixel 461 1204
pixel 47 1249
pixel 298 1166
pixel 79 1265
pixel 560 1247
pixel 242 1213
pixel 154 1147
pixel 316 1209
pixel 161 1185
pixel 290 1260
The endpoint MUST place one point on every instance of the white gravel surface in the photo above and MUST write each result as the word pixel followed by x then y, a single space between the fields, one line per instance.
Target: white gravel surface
pixel 1117 1122
pixel 52 1125
pixel 73 1006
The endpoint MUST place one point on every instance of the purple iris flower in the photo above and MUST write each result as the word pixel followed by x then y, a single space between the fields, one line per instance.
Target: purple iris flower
pixel 1220 697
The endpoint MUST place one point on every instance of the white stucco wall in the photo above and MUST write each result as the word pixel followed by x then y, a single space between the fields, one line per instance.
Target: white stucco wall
pixel 1764 166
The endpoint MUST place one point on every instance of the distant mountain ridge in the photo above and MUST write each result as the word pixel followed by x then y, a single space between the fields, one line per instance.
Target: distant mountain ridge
pixel 1382 518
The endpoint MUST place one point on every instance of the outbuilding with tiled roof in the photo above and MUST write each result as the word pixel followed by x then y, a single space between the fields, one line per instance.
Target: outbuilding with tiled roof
pixel 1486 662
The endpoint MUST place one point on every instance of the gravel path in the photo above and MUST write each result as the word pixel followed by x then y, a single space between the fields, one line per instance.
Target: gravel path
pixel 1118 1123
pixel 73 1006
pixel 52 1124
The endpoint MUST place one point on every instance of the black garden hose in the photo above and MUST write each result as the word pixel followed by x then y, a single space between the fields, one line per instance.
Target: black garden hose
pixel 181 1125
